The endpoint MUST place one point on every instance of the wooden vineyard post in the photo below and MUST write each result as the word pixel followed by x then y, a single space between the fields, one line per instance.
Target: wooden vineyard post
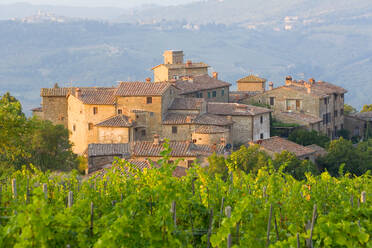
pixel 363 197
pixel 312 227
pixel 91 218
pixel 173 211
pixel 269 226
pixel 14 188
pixel 298 240
pixel 45 190
pixel 28 191
pixel 210 228
pixel 228 215
pixel 221 211
pixel 70 199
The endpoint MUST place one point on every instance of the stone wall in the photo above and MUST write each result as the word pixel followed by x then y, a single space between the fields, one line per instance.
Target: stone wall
pixel 183 132
pixel 259 86
pixel 222 94
pixel 108 135
pixel 208 139
pixel 355 126
pixel 55 110
pixel 163 73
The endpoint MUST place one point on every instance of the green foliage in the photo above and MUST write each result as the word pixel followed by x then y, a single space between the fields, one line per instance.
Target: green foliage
pixel 31 141
pixel 248 159
pixel 305 138
pixel 356 159
pixel 281 129
pixel 367 108
pixel 131 208
pixel 348 109
pixel 83 164
pixel 344 133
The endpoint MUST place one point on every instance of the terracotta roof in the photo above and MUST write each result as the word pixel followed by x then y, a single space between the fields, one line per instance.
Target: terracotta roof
pixel 320 151
pixel 198 83
pixel 211 130
pixel 45 92
pixel 179 149
pixel 251 79
pixel 184 65
pixel 116 121
pixel 186 104
pixel 298 117
pixel 236 96
pixel 99 96
pixel 140 164
pixel 39 109
pixel 204 119
pixel 277 145
pixel 320 89
pixel 235 109
pixel 367 116
pixel 108 149
pixel 141 89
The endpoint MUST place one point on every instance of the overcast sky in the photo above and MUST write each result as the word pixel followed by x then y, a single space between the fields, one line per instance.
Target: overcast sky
pixel 99 3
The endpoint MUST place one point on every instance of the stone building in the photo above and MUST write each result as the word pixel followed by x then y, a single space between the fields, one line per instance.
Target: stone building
pixel 358 124
pixel 203 86
pixel 307 100
pixel 276 145
pixel 175 68
pixel 251 83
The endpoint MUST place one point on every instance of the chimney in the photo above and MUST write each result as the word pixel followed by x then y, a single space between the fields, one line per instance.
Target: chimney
pixel 229 118
pixel 215 75
pixel 271 85
pixel 188 119
pixel 223 141
pixel 148 80
pixel 156 139
pixel 288 80
pixel 308 87
pixel 77 92
pixel 188 63
pixel 311 80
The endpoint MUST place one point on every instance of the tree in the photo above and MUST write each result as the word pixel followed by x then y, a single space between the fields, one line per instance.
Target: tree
pixel 367 108
pixel 293 165
pixel 305 138
pixel 348 109
pixel 217 165
pixel 341 152
pixel 248 159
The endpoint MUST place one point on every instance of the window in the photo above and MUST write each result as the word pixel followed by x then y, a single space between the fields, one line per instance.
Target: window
pixel 324 119
pixel 143 133
pixel 74 127
pixel 261 136
pixel 261 119
pixel 151 114
pixel 209 95
pixel 90 126
pixel 189 163
pixel 222 92
pixel 298 104
pixel 272 101
pixel 120 111
pixel 194 141
pixel 214 94
pixel 341 111
pixel 342 96
pixel 95 110
pixel 174 129
pixel 199 94
pixel 149 100
pixel 336 113
pixel 325 101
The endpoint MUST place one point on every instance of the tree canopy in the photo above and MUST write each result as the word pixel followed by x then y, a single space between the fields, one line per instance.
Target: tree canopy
pixel 305 138
pixel 367 108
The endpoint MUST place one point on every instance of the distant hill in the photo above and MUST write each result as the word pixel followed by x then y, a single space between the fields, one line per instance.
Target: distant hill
pixel 319 39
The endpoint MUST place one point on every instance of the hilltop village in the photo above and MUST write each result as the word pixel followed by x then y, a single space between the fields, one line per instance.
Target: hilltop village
pixel 195 111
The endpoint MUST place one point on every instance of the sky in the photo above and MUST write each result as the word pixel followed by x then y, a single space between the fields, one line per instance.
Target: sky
pixel 100 3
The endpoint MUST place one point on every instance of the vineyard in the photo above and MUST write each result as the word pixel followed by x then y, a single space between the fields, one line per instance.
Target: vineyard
pixel 127 207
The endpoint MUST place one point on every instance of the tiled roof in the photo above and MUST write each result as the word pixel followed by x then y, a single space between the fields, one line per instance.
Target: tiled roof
pixel 116 121
pixel 298 117
pixel 140 164
pixel 235 109
pixel 204 119
pixel 108 149
pixel 45 92
pixel 179 149
pixel 211 129
pixel 277 145
pixel 251 79
pixel 184 65
pixel 318 149
pixel 320 89
pixel 99 96
pixel 236 96
pixel 39 109
pixel 186 104
pixel 367 116
pixel 198 83
pixel 141 89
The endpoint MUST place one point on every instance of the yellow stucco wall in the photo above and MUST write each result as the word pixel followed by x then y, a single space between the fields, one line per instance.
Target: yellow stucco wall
pixel 108 135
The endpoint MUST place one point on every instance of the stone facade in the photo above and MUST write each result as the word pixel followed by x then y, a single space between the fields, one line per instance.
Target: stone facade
pixel 251 83
pixel 357 127
pixel 54 109
pixel 314 99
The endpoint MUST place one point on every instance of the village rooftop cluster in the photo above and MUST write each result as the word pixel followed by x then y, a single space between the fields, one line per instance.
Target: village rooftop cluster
pixel 196 112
